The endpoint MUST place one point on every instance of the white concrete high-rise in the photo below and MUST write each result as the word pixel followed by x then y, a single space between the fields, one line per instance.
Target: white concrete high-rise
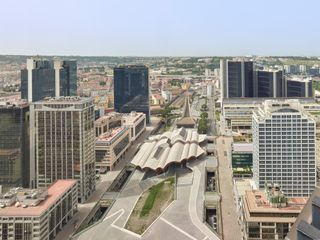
pixel 284 138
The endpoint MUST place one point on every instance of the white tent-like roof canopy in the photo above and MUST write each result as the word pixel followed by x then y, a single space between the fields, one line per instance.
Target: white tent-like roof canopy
pixel 170 147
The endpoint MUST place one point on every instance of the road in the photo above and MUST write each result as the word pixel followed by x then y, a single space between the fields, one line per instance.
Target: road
pixel 211 117
pixel 230 225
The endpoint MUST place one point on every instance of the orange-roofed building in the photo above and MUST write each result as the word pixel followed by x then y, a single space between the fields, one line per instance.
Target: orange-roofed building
pixel 269 214
pixel 37 214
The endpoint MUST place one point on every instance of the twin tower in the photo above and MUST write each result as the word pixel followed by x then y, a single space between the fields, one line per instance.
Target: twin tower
pixel 242 79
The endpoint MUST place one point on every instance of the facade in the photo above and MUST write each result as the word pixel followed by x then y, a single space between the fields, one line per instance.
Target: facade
pixel 269 214
pixel 284 137
pixel 37 214
pixel 62 142
pixel 238 78
pixel 271 83
pixel 44 78
pixel 307 225
pixel 111 146
pixel 136 122
pixel 131 89
pixel 14 145
pixel 237 112
pixel 242 155
pixel 108 122
pixel 297 87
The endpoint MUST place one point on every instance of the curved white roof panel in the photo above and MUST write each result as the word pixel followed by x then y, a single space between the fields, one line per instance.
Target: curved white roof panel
pixel 161 150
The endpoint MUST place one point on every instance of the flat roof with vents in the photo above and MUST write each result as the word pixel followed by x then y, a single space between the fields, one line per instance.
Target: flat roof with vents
pixel 35 202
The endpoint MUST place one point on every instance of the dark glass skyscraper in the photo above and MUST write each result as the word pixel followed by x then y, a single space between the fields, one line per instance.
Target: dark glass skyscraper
pixel 238 79
pixel 131 89
pixel 43 78
pixel 14 145
pixel 271 83
pixel 299 88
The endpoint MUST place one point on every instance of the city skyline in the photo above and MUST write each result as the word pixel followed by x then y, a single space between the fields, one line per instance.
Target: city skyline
pixel 166 28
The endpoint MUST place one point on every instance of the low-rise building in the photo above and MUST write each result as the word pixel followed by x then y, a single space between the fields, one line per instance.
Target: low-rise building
pixel 111 146
pixel 157 99
pixel 136 122
pixel 237 112
pixel 167 95
pixel 106 123
pixel 241 159
pixel 269 214
pixel 37 214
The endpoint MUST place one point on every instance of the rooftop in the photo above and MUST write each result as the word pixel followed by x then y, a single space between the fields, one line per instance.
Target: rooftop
pixel 19 103
pixel 299 78
pixel 54 193
pixel 63 100
pixel 111 115
pixel 132 117
pixel 284 107
pixel 244 185
pixel 110 136
pixel 242 147
pixel 186 119
pixel 258 202
pixel 270 70
pixel 171 147
pixel 261 100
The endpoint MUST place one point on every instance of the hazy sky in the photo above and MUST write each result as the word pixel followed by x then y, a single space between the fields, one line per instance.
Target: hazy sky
pixel 160 27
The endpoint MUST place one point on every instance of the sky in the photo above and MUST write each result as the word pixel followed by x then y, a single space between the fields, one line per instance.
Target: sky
pixel 160 27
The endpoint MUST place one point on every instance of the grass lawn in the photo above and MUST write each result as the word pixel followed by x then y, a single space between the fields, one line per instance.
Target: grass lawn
pixel 150 205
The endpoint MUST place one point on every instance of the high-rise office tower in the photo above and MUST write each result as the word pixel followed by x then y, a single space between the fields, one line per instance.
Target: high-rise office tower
pixel 131 89
pixel 299 87
pixel 238 79
pixel 284 151
pixel 63 142
pixel 44 78
pixel 271 83
pixel 14 145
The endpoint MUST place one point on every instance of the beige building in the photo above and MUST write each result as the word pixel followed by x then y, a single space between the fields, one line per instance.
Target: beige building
pixel 62 142
pixel 269 214
pixel 237 112
pixel 108 122
pixel 111 146
pixel 37 214
pixel 136 122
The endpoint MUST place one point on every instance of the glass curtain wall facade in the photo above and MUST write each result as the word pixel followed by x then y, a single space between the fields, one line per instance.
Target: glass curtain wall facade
pixel 14 146
pixel 44 78
pixel 131 90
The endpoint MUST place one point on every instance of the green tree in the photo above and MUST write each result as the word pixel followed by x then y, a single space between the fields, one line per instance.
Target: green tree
pixel 204 115
pixel 102 83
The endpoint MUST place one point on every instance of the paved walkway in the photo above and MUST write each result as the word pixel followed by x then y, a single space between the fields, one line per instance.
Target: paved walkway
pixel 230 226
pixel 102 186
pixel 182 220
